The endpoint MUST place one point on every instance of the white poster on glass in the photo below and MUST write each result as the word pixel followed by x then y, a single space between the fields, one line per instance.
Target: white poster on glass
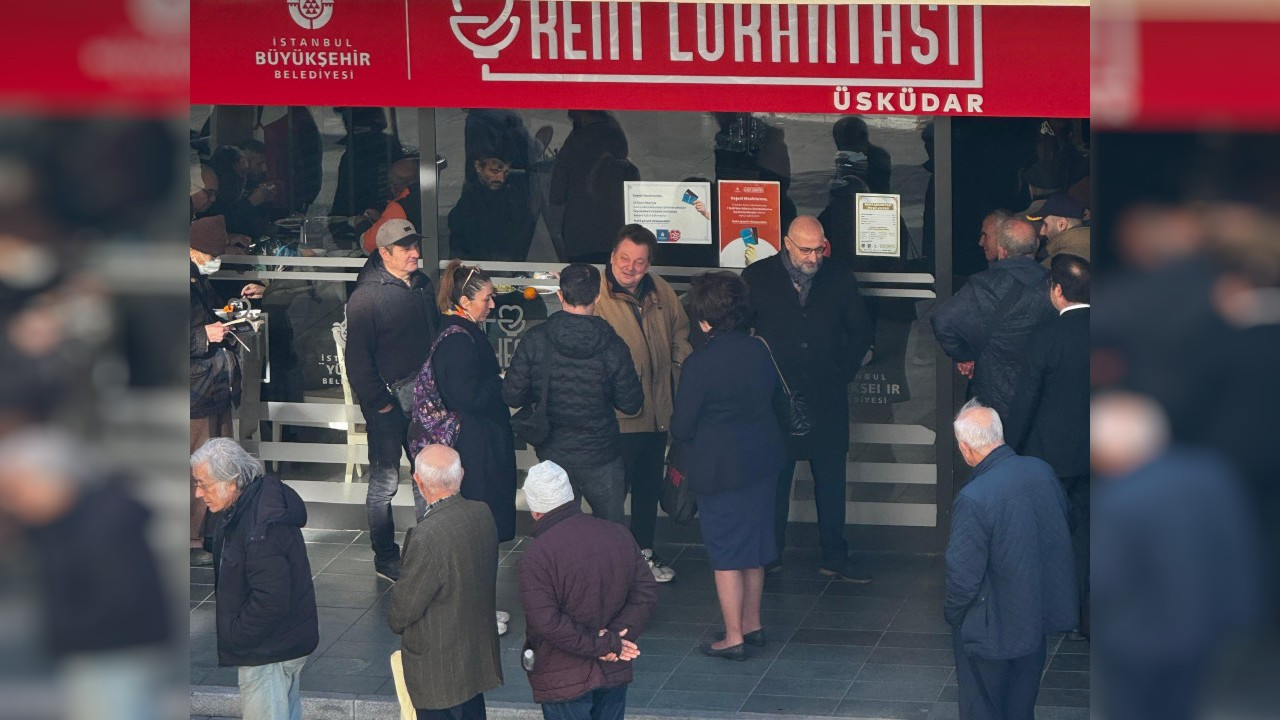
pixel 879 224
pixel 675 212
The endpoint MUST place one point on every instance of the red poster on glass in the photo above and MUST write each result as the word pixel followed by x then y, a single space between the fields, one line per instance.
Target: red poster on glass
pixel 750 221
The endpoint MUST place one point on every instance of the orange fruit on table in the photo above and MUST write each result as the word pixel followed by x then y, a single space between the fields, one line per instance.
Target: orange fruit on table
pixel 531 293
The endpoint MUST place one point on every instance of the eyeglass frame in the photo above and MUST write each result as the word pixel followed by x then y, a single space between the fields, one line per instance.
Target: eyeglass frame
pixel 804 251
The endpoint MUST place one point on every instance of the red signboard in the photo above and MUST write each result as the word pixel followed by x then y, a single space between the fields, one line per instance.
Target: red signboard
pixel 1186 73
pixel 861 58
pixel 111 55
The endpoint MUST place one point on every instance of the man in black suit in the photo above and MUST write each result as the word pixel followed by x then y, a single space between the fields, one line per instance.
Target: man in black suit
pixel 1049 415
pixel 811 312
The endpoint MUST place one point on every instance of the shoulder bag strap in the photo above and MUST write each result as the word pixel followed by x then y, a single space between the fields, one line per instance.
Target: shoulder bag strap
pixel 783 380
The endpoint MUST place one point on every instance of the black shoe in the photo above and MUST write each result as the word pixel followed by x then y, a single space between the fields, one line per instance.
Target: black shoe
pixel 755 637
pixel 389 569
pixel 735 652
pixel 843 570
pixel 201 557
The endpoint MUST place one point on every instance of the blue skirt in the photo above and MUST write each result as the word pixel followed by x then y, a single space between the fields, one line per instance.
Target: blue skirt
pixel 737 526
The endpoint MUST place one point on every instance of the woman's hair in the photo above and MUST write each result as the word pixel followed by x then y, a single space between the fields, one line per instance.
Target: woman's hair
pixel 720 298
pixel 458 281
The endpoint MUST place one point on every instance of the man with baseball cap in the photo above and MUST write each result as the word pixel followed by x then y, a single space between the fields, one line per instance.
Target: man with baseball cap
pixel 1061 219
pixel 391 321
pixel 587 593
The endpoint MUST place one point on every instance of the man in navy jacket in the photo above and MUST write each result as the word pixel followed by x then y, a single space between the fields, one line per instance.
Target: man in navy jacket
pixel 1010 571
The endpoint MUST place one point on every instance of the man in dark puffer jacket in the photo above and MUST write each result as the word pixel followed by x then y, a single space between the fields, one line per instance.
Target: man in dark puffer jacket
pixel 591 374
pixel 266 602
pixel 985 326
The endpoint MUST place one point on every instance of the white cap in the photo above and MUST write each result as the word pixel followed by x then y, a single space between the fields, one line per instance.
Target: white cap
pixel 546 487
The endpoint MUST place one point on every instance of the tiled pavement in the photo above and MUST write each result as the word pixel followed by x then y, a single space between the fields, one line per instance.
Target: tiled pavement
pixel 835 649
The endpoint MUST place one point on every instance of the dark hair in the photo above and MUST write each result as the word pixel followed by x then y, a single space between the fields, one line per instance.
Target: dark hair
pixel 720 298
pixel 639 235
pixel 850 132
pixel 458 281
pixel 253 145
pixel 580 284
pixel 1071 273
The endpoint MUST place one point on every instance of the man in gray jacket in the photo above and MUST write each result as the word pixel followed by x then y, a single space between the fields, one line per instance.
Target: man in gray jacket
pixel 443 605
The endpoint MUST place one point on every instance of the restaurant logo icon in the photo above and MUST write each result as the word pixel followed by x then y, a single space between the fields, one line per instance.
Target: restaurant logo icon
pixel 485 51
pixel 311 14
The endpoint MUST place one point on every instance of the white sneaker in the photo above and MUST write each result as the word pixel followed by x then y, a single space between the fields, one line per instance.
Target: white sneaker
pixel 504 617
pixel 502 629
pixel 661 572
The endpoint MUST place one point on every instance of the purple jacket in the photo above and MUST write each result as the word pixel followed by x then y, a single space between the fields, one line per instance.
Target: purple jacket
pixel 581 574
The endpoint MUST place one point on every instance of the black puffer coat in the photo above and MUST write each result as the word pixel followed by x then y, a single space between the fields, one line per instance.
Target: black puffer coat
pixel 967 327
pixel 591 376
pixel 266 601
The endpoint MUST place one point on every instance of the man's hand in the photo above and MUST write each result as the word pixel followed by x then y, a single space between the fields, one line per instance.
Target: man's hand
pixel 262 193
pixel 386 409
pixel 628 653
pixel 965 368
pixel 215 332
pixel 253 290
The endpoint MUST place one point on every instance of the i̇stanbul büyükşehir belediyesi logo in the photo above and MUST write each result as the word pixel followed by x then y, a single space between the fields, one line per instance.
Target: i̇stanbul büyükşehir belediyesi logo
pixel 311 14
pixel 488 28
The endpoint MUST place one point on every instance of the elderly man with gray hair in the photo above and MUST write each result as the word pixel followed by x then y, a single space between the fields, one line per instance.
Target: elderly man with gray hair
pixel 1010 572
pixel 985 326
pixel 443 605
pixel 266 604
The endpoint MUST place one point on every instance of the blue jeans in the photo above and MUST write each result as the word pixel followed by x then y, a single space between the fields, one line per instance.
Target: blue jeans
pixel 828 472
pixel 600 704
pixel 270 692
pixel 387 439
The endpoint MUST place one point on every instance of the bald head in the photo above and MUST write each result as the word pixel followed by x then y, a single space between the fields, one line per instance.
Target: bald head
pixel 978 431
pixel 805 241
pixel 1016 237
pixel 438 471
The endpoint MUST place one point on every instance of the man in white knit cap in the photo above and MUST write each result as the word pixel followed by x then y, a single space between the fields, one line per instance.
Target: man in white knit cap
pixel 580 572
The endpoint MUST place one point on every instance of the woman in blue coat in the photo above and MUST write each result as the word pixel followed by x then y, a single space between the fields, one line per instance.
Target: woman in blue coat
pixel 725 415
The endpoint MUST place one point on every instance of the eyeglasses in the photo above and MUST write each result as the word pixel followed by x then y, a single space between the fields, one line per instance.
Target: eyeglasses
pixel 804 250
pixel 202 487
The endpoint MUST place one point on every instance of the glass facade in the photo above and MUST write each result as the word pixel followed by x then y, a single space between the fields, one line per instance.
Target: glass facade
pixel 522 192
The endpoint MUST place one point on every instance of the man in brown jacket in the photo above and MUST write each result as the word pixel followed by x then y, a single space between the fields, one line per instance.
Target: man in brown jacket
pixel 587 593
pixel 645 312
pixel 443 605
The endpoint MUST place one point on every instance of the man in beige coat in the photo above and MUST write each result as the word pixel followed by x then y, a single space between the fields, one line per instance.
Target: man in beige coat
pixel 645 312
pixel 443 605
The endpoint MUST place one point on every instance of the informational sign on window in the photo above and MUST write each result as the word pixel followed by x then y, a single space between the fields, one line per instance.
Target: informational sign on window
pixel 676 212
pixel 879 224
pixel 750 221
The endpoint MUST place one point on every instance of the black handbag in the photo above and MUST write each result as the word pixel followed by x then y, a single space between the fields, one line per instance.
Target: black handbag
pixel 530 422
pixel 795 419
pixel 677 499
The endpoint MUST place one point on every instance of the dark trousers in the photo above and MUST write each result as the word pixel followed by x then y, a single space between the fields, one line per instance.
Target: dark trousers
pixel 472 709
pixel 998 689
pixel 604 487
pixel 1077 489
pixel 828 472
pixel 387 439
pixel 644 459
pixel 599 704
